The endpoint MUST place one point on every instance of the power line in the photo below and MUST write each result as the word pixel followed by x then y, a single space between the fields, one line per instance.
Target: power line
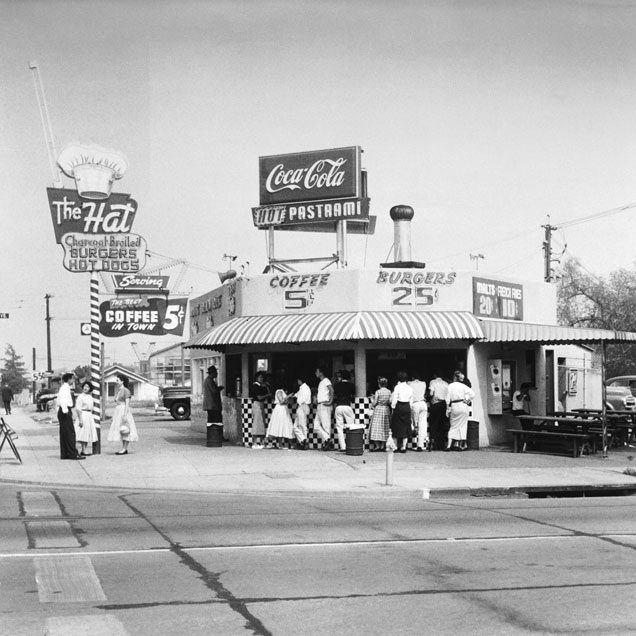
pixel 597 215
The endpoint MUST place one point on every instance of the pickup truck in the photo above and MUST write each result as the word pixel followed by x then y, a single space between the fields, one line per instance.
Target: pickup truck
pixel 177 400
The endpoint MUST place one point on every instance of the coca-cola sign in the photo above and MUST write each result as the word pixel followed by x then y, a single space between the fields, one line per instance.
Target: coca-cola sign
pixel 310 176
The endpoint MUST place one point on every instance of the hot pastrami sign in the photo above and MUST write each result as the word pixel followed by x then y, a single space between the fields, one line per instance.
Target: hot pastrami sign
pixel 310 176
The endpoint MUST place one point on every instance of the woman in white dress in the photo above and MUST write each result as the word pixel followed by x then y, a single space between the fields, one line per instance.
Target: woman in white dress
pixel 122 428
pixel 281 426
pixel 458 399
pixel 86 432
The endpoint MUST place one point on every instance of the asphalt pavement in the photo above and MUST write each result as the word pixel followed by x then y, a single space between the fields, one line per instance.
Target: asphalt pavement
pixel 171 456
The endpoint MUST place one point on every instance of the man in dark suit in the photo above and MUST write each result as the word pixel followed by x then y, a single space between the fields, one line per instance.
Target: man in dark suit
pixel 7 396
pixel 212 398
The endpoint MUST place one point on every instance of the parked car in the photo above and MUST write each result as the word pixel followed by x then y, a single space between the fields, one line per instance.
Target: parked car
pixel 177 400
pixel 621 393
pixel 44 398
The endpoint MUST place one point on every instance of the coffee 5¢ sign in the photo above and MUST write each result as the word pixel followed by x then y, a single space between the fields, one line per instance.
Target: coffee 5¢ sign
pixel 152 316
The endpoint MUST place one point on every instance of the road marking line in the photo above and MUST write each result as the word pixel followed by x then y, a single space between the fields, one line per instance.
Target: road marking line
pixel 94 624
pixel 51 534
pixel 61 579
pixel 269 546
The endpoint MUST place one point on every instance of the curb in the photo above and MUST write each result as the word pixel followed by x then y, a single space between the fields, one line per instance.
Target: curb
pixel 590 490
pixel 358 494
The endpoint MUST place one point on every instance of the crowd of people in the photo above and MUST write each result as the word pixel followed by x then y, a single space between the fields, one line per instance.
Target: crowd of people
pixel 437 413
pixel 77 425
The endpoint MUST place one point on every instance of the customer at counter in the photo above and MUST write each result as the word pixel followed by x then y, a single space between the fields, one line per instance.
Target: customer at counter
pixel 324 408
pixel 419 411
pixel 458 399
pixel 303 403
pixel 401 401
pixel 260 393
pixel 344 392
pixel 437 421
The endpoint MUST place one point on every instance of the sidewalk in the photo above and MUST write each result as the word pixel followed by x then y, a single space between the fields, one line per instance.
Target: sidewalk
pixel 170 456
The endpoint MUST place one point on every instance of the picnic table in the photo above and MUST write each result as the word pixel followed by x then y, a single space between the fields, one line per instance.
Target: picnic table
pixel 621 424
pixel 580 430
pixel 576 434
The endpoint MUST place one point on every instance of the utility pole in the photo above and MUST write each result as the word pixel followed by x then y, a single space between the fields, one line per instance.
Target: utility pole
pixel 548 276
pixel 475 258
pixel 35 384
pixel 49 364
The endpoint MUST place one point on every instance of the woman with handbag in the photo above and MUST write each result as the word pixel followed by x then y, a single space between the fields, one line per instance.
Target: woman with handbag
pixel 122 428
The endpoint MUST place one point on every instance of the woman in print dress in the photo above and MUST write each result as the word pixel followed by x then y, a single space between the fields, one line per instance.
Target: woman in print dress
pixel 281 427
pixel 86 432
pixel 122 428
pixel 380 428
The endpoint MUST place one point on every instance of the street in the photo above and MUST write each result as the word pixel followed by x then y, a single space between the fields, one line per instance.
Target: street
pixel 77 561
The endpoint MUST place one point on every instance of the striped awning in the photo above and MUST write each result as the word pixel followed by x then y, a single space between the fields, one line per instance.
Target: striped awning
pixel 512 331
pixel 332 327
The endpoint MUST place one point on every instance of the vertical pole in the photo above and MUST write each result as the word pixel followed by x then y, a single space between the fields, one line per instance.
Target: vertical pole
pixel 46 124
pixel 96 379
pixel 182 366
pixel 341 244
pixel 49 362
pixel 389 469
pixel 35 384
pixel 270 245
pixel 604 399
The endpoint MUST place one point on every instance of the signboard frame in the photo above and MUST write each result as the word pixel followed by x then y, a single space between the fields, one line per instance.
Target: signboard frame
pixel 314 175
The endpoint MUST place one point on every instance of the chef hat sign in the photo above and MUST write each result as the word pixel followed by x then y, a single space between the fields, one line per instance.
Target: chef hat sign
pixel 93 168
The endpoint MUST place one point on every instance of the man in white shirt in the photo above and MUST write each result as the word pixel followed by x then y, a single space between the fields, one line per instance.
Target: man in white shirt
pixel 419 411
pixel 324 399
pixel 303 401
pixel 65 404
pixel 438 422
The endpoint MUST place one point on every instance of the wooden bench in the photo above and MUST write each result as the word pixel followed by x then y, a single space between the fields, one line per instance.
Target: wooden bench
pixel 579 440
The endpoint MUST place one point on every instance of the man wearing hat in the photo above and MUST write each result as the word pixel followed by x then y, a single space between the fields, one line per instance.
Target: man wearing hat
pixel 212 398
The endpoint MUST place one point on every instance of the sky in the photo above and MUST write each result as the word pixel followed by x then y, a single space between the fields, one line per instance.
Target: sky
pixel 484 116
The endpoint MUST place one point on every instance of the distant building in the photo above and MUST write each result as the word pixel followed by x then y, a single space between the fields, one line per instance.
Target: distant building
pixel 140 387
pixel 164 366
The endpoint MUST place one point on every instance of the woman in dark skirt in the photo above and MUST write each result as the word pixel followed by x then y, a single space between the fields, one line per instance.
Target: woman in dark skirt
pixel 401 401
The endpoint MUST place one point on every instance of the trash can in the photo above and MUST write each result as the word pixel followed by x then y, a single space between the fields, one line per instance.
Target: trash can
pixel 472 436
pixel 354 441
pixel 214 436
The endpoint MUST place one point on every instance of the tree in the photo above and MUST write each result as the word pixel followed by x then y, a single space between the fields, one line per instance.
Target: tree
pixel 586 300
pixel 14 371
pixel 82 372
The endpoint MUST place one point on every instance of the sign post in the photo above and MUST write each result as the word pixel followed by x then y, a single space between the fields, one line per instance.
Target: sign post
pixel 316 191
pixel 96 379
pixel 93 228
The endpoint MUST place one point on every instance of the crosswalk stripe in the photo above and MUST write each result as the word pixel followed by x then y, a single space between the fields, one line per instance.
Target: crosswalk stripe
pixel 40 504
pixel 93 624
pixel 51 534
pixel 63 579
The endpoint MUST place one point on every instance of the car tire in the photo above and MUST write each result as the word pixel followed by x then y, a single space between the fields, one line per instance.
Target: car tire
pixel 180 411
